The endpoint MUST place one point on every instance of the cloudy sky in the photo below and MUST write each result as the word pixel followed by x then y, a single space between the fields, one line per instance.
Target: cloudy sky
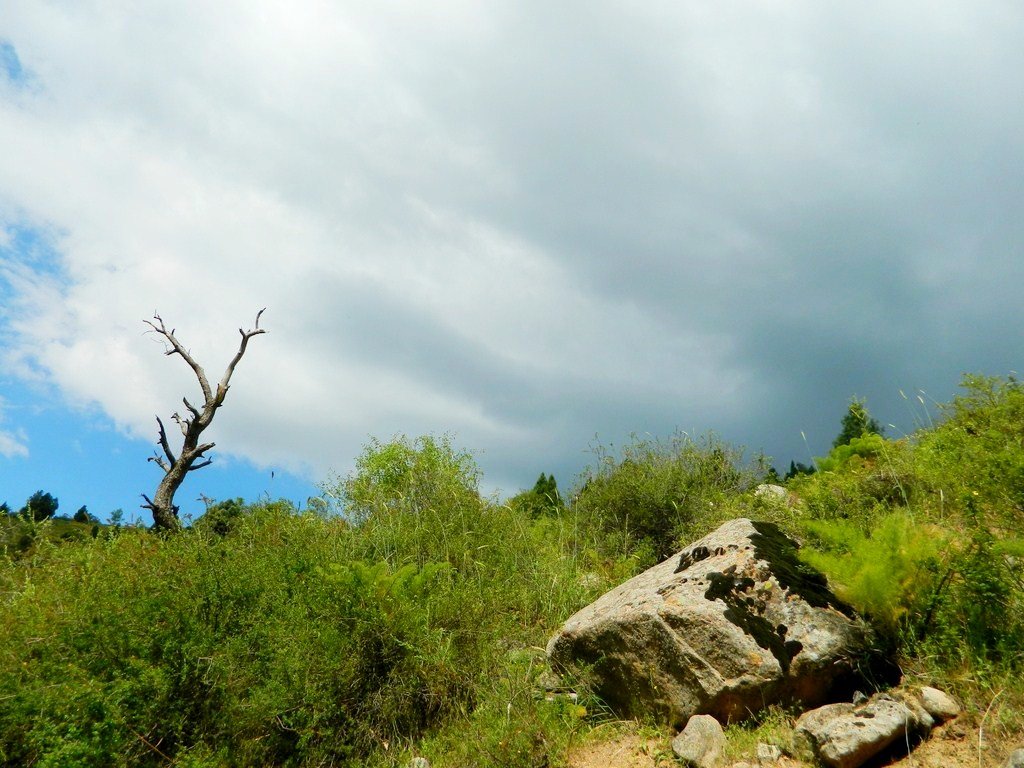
pixel 530 225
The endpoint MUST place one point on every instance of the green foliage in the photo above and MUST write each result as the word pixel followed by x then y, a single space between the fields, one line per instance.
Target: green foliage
pixel 222 516
pixel 408 617
pixel 408 476
pixel 83 516
pixel 921 534
pixel 974 460
pixel 542 499
pixel 856 423
pixel 658 492
pixel 889 574
pixel 861 481
pixel 978 611
pixel 296 639
pixel 40 506
pixel 867 446
pixel 796 469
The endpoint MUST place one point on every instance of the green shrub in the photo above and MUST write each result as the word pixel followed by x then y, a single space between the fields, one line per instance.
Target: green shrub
pixel 920 533
pixel 860 481
pixel 658 493
pixel 974 459
pixel 291 638
pixel 889 575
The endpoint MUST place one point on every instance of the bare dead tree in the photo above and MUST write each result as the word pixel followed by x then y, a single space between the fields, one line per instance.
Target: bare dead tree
pixel 191 456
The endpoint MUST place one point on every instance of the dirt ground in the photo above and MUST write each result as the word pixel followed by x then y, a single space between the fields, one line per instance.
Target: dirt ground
pixel 954 744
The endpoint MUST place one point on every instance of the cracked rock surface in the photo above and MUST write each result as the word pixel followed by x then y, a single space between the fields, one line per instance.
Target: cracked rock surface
pixel 727 626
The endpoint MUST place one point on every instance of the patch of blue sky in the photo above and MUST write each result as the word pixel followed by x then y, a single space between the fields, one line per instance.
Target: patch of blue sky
pixel 26 250
pixel 33 247
pixel 11 68
pixel 78 456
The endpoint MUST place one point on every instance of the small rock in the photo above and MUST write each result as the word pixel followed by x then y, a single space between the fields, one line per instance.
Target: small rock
pixel 859 697
pixel 768 753
pixel 923 717
pixel 938 704
pixel 419 762
pixel 771 491
pixel 1016 759
pixel 549 681
pixel 846 736
pixel 701 743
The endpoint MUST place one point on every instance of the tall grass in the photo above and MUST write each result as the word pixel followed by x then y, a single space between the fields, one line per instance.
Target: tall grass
pixel 656 495
pixel 924 535
pixel 410 616
pixel 287 637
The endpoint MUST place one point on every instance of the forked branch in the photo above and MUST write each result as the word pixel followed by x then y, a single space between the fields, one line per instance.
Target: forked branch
pixel 192 454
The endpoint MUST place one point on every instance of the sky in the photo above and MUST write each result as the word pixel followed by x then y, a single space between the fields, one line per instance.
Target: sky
pixel 534 227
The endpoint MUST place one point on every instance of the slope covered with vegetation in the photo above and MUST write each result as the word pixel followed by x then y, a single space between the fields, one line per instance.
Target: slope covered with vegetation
pixel 408 614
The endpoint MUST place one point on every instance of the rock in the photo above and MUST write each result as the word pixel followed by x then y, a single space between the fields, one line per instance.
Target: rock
pixel 768 753
pixel 733 623
pixel 418 762
pixel 846 735
pixel 938 704
pixel 912 700
pixel 701 744
pixel 1016 759
pixel 771 491
pixel 549 681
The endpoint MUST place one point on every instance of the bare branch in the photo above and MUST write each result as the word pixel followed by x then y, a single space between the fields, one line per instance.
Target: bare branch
pixel 191 457
pixel 155 458
pixel 177 348
pixel 191 408
pixel 183 424
pixel 198 452
pixel 222 387
pixel 165 445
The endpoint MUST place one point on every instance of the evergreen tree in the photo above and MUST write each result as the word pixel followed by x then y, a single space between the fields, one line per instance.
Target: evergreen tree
pixel 40 505
pixel 83 516
pixel 798 468
pixel 543 498
pixel 856 423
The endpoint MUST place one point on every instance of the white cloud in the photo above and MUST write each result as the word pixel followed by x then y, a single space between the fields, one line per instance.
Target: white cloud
pixel 520 223
pixel 12 443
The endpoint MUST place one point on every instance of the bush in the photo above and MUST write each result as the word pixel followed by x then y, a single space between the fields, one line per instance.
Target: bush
pixel 658 493
pixel 920 534
pixel 269 636
pixel 890 575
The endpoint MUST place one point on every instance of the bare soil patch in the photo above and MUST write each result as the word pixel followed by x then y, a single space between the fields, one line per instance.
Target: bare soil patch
pixel 953 745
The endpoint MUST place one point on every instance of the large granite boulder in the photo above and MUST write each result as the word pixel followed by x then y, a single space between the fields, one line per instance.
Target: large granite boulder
pixel 731 624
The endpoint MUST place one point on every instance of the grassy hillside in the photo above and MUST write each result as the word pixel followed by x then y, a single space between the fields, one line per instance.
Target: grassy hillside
pixel 409 617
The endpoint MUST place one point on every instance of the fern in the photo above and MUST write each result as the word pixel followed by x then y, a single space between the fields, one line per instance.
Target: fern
pixel 889 575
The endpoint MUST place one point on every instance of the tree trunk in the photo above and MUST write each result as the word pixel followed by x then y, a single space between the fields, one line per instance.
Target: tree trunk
pixel 191 456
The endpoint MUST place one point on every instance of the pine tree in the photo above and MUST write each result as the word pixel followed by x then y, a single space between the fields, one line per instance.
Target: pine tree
pixel 856 423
